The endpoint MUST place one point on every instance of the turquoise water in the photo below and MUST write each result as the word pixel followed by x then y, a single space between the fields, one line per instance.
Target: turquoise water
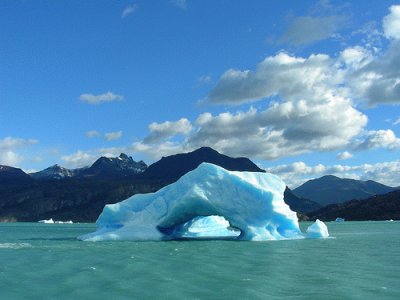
pixel 45 261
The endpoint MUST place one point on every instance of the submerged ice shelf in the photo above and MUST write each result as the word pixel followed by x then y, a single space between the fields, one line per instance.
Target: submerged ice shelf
pixel 206 202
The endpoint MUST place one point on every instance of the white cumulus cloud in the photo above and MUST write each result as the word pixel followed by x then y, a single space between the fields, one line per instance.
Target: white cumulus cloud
pixel 9 143
pixel 378 81
pixel 361 73
pixel 312 111
pixel 78 159
pixel 284 75
pixel 101 98
pixel 380 139
pixel 355 57
pixel 344 155
pixel 279 130
pixel 113 136
pixel 166 130
pixel 375 77
pixel 391 23
pixel 156 152
pixel 8 146
pixel 10 158
pixel 92 133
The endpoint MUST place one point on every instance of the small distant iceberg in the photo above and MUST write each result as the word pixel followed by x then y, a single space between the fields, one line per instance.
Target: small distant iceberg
pixel 206 202
pixel 339 220
pixel 317 230
pixel 51 221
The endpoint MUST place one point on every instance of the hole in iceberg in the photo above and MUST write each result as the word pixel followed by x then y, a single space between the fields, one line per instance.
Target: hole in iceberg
pixel 202 227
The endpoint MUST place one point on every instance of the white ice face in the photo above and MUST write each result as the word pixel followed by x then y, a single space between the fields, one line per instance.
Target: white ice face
pixel 317 230
pixel 206 202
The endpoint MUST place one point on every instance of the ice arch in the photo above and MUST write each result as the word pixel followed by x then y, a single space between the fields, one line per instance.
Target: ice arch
pixel 251 202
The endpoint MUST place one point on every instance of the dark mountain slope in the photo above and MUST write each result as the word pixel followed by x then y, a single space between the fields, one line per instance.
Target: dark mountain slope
pixel 79 200
pixel 173 167
pixel 380 207
pixel 331 189
pixel 13 176
pixel 299 204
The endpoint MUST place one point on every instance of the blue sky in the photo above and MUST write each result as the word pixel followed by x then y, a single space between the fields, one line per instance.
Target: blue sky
pixel 303 88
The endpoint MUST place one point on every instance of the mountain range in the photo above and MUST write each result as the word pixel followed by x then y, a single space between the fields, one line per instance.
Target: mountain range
pixel 122 166
pixel 80 194
pixel 168 169
pixel 332 190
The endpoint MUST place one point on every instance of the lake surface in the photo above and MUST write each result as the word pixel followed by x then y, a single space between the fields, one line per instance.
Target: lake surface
pixel 45 261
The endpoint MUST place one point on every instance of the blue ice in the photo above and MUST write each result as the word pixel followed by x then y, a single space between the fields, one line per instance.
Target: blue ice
pixel 208 202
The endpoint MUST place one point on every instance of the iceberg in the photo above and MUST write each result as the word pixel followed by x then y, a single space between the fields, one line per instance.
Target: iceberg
pixel 206 202
pixel 317 230
pixel 49 221
pixel 64 222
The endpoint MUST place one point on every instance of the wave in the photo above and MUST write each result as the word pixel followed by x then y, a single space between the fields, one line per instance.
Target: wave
pixel 14 245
